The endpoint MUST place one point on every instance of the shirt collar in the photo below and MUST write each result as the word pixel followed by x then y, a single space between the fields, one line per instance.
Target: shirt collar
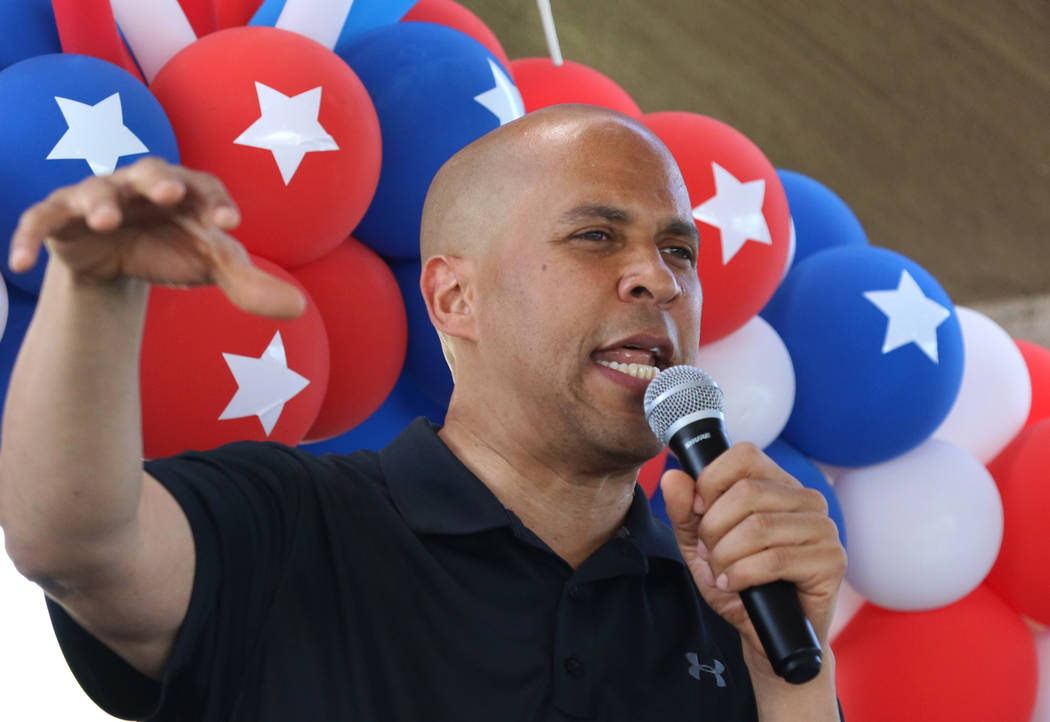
pixel 437 494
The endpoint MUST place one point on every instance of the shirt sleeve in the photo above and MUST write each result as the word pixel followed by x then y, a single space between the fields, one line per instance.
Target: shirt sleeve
pixel 244 502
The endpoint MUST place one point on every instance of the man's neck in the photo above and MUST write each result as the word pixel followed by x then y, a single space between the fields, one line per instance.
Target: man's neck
pixel 573 512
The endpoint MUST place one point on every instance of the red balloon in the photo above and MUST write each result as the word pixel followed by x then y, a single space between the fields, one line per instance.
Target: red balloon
pixel 87 27
pixel 201 14
pixel 452 14
pixel 1020 574
pixel 289 129
pixel 971 661
pixel 542 83
pixel 652 470
pixel 363 311
pixel 211 373
pixel 234 13
pixel 1037 359
pixel 737 199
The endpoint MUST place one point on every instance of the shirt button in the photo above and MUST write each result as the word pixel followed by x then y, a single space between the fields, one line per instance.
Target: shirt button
pixel 576 592
pixel 574 666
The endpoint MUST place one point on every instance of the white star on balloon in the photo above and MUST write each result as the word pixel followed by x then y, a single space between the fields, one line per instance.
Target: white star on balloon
pixel 913 317
pixel 503 100
pixel 736 209
pixel 264 385
pixel 288 128
pixel 96 133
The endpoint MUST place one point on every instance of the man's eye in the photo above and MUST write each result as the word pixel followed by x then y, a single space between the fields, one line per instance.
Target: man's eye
pixel 683 252
pixel 594 235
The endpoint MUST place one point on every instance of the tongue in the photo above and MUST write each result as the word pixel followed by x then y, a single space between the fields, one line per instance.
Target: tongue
pixel 625 355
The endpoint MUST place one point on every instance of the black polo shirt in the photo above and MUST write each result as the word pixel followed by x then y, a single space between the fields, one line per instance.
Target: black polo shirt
pixel 395 586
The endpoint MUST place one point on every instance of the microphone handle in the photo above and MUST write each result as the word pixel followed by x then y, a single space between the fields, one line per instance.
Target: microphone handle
pixel 774 608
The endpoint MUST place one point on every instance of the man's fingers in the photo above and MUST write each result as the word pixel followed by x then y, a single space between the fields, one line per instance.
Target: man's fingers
pixel 679 490
pixel 741 461
pixel 809 567
pixel 35 225
pixel 760 532
pixel 253 290
pixel 216 204
pixel 748 497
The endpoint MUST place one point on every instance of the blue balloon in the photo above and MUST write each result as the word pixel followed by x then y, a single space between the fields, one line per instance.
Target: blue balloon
pixel 20 307
pixel 868 387
pixel 35 126
pixel 404 404
pixel 425 81
pixel 795 463
pixel 424 361
pixel 822 219
pixel 364 15
pixel 28 30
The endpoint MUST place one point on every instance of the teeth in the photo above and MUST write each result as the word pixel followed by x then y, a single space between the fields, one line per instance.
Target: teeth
pixel 639 371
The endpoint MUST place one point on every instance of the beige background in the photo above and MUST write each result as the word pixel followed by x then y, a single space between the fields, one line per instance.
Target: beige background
pixel 929 118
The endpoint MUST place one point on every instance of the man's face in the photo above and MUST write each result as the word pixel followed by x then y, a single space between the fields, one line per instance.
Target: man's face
pixel 591 290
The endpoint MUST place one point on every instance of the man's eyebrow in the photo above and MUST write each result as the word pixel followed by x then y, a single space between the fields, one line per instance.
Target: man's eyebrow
pixel 682 228
pixel 596 210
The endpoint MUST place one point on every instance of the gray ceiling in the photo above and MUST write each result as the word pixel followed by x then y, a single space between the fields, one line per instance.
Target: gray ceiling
pixel 929 118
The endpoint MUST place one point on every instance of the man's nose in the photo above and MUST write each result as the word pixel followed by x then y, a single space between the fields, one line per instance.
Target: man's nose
pixel 647 277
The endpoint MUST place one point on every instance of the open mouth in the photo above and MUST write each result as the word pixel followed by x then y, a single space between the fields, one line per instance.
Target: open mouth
pixel 642 360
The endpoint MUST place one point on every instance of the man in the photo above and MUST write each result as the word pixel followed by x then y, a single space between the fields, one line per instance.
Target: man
pixel 504 566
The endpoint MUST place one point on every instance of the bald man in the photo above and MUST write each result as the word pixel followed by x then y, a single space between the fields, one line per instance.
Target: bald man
pixel 503 566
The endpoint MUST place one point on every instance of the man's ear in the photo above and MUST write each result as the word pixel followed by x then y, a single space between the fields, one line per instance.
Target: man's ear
pixel 446 284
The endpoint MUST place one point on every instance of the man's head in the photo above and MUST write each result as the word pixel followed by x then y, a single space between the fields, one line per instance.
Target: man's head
pixel 554 247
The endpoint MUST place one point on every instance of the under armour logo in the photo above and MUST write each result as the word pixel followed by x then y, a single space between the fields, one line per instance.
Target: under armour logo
pixel 695 668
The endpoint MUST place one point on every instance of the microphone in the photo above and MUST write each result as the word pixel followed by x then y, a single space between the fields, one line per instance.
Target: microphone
pixel 685 409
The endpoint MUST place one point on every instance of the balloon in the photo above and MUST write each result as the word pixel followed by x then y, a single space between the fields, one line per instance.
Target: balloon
pixel 542 83
pixel 202 16
pixel 154 31
pixel 973 661
pixel 404 404
pixel 1037 360
pixel 822 219
pixel 364 14
pixel 1020 573
pixel 287 127
pixel 753 368
pixel 996 393
pixel 651 471
pixel 435 91
pixel 452 14
pixel 212 374
pixel 925 527
pixel 234 13
pixel 87 27
pixel 871 383
pixel 29 30
pixel 364 315
pixel 425 364
pixel 737 199
pixel 793 462
pixel 75 116
pixel 1042 700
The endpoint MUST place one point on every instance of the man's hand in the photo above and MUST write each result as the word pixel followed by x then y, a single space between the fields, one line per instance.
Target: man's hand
pixel 746 522
pixel 154 222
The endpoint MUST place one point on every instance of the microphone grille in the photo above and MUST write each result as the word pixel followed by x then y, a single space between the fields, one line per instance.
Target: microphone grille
pixel 677 392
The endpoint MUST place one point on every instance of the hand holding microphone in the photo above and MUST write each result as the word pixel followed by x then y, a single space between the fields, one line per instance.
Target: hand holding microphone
pixel 747 525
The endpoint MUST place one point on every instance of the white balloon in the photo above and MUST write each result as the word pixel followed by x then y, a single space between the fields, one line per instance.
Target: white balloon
pixel 156 31
pixel 924 527
pixel 321 21
pixel 3 307
pixel 1042 698
pixel 754 369
pixel 996 391
pixel 35 682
